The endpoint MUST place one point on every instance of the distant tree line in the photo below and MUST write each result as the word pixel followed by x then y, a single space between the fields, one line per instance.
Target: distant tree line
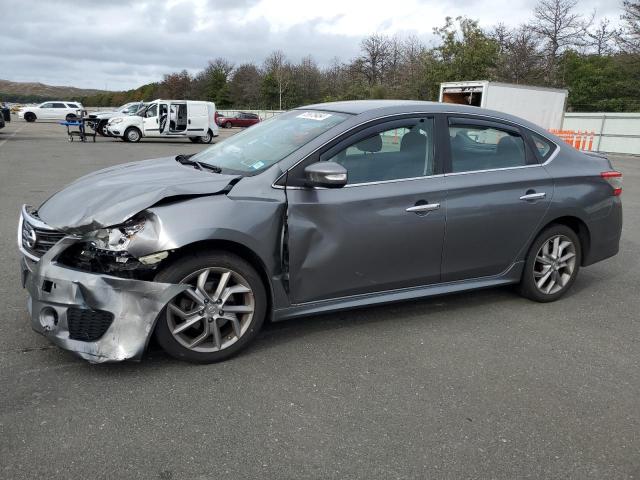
pixel 559 46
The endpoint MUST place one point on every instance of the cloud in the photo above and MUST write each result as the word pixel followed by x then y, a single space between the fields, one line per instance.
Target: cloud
pixel 122 44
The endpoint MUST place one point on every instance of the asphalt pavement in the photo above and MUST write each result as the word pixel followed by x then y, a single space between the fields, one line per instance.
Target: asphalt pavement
pixel 476 385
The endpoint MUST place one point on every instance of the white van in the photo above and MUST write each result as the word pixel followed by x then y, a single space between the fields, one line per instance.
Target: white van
pixel 168 119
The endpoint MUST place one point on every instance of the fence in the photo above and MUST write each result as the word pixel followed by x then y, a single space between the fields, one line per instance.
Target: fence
pixel 579 140
pixel 612 132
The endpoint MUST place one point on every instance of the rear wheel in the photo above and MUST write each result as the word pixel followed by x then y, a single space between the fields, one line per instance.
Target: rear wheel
pixel 70 117
pixel 102 128
pixel 30 117
pixel 207 138
pixel 132 134
pixel 552 264
pixel 218 315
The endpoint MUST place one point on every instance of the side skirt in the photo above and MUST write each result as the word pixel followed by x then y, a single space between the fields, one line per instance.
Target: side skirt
pixel 509 276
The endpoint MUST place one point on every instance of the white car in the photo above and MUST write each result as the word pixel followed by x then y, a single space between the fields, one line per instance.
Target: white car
pixel 56 110
pixel 102 118
pixel 168 119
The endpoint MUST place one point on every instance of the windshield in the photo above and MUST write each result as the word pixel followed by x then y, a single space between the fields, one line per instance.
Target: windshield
pixel 266 143
pixel 129 108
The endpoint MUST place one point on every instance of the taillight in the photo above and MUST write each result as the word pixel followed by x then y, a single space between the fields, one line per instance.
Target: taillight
pixel 615 180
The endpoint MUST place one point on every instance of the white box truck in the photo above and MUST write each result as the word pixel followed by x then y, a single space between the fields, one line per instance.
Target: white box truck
pixel 542 106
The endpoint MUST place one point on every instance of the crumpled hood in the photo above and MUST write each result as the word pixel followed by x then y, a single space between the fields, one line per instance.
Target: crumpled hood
pixel 109 197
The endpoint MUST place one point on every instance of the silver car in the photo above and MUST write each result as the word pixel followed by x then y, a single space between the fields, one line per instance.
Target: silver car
pixel 326 207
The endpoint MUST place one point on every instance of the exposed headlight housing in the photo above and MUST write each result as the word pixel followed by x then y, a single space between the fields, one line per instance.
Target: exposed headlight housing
pixel 118 238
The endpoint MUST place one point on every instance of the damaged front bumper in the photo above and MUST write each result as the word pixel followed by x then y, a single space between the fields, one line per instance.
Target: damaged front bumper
pixel 101 318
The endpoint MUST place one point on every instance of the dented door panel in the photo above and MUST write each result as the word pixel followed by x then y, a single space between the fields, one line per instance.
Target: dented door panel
pixel 361 239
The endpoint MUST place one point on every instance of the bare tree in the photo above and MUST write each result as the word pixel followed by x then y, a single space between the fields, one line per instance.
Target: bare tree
pixel 559 27
pixel 376 50
pixel 602 38
pixel 276 64
pixel 629 38
pixel 519 61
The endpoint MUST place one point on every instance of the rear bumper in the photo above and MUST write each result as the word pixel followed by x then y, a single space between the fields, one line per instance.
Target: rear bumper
pixel 56 293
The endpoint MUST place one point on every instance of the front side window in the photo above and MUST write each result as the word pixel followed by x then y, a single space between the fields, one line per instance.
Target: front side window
pixel 392 154
pixel 475 147
pixel 259 147
pixel 59 105
pixel 46 105
pixel 152 111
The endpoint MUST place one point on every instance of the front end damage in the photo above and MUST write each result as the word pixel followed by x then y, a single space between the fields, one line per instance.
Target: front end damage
pixel 99 316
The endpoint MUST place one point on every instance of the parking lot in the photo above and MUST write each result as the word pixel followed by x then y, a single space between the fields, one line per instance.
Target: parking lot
pixel 475 385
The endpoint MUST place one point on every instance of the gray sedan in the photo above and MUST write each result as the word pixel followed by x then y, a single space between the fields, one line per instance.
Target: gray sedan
pixel 325 207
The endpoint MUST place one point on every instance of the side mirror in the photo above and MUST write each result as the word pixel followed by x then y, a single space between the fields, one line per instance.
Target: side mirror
pixel 325 174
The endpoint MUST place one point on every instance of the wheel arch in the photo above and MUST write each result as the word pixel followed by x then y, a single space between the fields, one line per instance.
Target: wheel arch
pixel 579 227
pixel 238 249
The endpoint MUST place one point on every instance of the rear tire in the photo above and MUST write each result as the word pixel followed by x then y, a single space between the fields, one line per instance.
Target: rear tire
pixel 30 117
pixel 552 264
pixel 101 128
pixel 207 138
pixel 132 134
pixel 70 117
pixel 228 315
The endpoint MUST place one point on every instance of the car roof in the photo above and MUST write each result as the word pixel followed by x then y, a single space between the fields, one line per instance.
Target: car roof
pixel 379 108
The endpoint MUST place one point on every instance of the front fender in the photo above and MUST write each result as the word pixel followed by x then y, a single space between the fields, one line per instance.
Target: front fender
pixel 256 224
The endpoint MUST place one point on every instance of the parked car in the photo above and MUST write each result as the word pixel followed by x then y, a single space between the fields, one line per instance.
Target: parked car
pixel 240 119
pixel 167 119
pixel 2 122
pixel 56 110
pixel 102 118
pixel 322 208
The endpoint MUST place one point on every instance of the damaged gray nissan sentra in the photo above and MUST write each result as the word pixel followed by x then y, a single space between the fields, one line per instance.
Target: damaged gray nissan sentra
pixel 326 207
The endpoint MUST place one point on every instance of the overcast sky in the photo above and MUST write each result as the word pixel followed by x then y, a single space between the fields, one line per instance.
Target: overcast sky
pixel 122 44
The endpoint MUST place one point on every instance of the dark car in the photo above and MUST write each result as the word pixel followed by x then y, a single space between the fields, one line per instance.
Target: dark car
pixel 240 119
pixel 322 208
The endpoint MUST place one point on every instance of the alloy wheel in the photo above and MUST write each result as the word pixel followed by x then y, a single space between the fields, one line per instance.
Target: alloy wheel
pixel 554 265
pixel 214 313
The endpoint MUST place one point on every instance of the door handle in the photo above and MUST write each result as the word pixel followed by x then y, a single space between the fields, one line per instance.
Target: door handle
pixel 427 207
pixel 533 196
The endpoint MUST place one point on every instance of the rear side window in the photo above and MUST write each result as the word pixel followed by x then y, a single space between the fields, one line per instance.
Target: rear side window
pixel 544 147
pixel 59 105
pixel 479 147
pixel 72 105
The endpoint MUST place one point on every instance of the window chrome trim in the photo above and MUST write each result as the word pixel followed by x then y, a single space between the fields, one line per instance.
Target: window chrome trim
pixel 364 184
pixel 482 115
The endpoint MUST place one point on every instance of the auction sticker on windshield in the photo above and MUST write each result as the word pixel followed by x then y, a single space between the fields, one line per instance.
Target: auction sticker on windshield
pixel 319 116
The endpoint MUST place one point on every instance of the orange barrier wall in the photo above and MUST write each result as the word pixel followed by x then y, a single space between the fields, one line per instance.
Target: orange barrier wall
pixel 582 140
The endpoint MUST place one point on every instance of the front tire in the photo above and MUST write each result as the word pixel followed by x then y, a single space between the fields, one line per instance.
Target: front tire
pixel 132 134
pixel 228 125
pixel 552 264
pixel 219 315
pixel 30 117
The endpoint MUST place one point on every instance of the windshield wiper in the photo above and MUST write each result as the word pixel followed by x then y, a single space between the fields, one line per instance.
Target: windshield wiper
pixel 186 160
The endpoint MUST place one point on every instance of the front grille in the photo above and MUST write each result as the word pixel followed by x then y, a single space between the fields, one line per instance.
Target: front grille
pixel 87 325
pixel 35 239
